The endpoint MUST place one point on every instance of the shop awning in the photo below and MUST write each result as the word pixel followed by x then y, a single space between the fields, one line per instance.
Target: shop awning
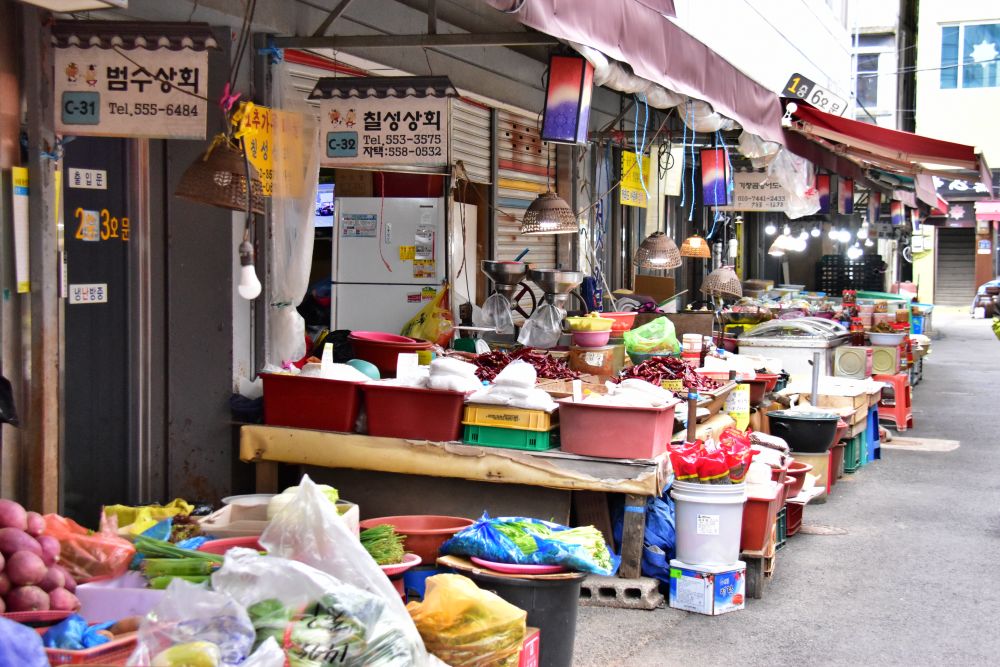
pixel 904 153
pixel 639 33
pixel 988 210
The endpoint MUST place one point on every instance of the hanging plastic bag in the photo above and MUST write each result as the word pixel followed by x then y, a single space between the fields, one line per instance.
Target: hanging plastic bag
pixel 194 626
pixel 309 530
pixel 544 328
pixel 497 314
pixel 526 541
pixel 658 336
pixel 316 618
pixel 88 555
pixel 434 323
pixel 466 626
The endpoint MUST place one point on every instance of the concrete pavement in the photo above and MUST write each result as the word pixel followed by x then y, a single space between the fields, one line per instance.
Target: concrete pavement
pixel 912 580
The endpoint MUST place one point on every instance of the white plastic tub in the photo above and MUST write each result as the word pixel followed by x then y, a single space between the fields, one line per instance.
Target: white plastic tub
pixel 709 519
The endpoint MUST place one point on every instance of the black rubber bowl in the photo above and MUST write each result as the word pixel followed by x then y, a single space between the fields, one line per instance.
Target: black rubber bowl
pixel 806 432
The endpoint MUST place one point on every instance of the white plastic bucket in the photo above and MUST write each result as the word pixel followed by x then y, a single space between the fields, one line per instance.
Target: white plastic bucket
pixel 709 519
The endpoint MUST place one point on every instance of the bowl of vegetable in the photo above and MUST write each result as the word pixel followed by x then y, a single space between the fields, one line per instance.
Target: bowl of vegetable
pixel 423 534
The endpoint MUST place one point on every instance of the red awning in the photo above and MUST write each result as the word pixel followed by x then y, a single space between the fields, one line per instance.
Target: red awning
pixel 988 210
pixel 637 32
pixel 871 146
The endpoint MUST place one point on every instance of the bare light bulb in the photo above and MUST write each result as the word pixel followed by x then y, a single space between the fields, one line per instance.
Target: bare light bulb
pixel 833 234
pixel 869 243
pixel 815 233
pixel 249 286
pixel 770 229
pixel 803 235
pixel 854 252
pixel 845 236
pixel 787 231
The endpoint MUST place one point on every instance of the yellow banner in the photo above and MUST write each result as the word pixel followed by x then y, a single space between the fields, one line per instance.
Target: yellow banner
pixel 631 191
pixel 257 130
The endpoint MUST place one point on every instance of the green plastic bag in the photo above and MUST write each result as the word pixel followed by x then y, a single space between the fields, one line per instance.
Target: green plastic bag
pixel 657 336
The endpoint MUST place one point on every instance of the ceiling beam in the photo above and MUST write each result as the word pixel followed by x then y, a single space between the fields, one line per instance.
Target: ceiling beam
pixel 459 39
pixel 432 17
pixel 331 17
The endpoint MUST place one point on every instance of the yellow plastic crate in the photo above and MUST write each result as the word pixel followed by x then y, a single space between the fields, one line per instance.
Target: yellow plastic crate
pixel 501 416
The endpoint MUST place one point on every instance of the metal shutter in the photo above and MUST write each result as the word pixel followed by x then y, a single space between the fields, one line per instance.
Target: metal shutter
pixel 470 139
pixel 522 177
pixel 954 280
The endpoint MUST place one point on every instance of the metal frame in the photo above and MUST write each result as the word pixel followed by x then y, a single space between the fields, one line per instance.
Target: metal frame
pixel 457 40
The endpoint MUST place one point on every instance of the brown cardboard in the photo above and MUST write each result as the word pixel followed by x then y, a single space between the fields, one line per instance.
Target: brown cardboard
pixel 659 287
pixel 353 183
pixel 694 323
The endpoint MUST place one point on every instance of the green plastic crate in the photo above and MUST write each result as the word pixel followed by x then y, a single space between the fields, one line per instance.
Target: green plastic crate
pixel 852 453
pixel 782 522
pixel 509 438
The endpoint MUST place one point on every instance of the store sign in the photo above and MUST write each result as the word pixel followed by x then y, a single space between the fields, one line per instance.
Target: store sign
pixel 752 191
pixel 378 132
pixel 86 294
pixel 256 127
pixel 960 190
pixel 155 93
pixel 635 181
pixel 809 91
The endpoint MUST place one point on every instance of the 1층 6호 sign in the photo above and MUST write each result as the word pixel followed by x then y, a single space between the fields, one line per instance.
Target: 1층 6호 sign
pixel 815 94
pixel 154 93
pixel 369 132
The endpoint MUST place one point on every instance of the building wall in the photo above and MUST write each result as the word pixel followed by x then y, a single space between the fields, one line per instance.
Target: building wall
pixel 875 26
pixel 965 115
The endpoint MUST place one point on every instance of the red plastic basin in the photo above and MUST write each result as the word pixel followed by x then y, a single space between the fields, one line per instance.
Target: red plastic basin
pixel 797 471
pixel 423 533
pixel 789 486
pixel 220 547
pixel 384 353
pixel 311 402
pixel 414 414
pixel 759 513
pixel 607 431
pixel 381 337
pixel 623 321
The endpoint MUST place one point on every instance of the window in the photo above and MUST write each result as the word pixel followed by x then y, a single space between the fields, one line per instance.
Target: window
pixel 867 87
pixel 970 55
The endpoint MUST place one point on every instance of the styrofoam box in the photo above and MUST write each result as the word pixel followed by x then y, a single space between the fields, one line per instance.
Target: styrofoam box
pixel 113 599
pixel 707 589
pixel 251 520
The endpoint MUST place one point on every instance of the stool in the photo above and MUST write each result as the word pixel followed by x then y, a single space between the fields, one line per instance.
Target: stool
pixel 900 410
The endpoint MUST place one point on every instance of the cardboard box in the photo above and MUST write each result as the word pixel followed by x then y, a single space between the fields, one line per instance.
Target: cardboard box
pixel 707 589
pixel 353 183
pixel 660 288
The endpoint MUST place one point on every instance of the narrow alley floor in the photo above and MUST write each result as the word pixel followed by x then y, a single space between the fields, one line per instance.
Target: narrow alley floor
pixel 912 579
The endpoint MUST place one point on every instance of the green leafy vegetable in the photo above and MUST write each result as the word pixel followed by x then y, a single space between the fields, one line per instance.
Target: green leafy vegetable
pixel 384 544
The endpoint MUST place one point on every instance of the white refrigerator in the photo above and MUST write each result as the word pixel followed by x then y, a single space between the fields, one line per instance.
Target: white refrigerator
pixel 388 260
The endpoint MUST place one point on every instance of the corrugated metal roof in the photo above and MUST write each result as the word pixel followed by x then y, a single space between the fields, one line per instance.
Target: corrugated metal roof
pixel 128 36
pixel 383 86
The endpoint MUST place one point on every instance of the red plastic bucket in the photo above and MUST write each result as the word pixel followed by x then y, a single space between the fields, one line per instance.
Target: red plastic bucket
pixel 310 402
pixel 414 414
pixel 384 349
pixel 609 431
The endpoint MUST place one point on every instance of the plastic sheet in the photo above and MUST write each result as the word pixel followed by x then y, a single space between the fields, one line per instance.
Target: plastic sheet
pixel 466 626
pixel 797 176
pixel 660 537
pixel 73 634
pixel 20 645
pixel 543 328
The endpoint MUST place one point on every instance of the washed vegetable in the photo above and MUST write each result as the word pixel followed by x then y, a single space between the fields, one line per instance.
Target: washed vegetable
pixel 383 544
pixel 13 540
pixel 50 548
pixel 25 569
pixel 69 583
pixel 883 327
pixel 53 579
pixel 5 585
pixel 27 598
pixel 12 515
pixel 160 583
pixel 152 548
pixel 61 599
pixel 158 567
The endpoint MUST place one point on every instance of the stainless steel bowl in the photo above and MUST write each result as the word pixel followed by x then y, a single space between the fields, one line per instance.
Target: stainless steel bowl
pixel 504 273
pixel 555 281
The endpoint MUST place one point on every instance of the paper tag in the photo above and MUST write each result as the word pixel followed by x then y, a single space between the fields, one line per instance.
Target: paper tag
pixel 407 252
pixel 428 294
pixel 424 268
pixel 738 405
pixel 674 385
pixel 708 524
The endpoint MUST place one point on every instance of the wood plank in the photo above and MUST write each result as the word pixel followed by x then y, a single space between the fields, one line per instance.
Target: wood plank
pixel 266 473
pixel 633 536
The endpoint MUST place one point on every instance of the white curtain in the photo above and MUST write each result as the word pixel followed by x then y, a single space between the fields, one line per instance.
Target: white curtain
pixel 296 174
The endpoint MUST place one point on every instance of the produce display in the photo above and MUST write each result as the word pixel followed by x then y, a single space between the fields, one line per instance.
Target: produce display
pixel 883 327
pixel 548 368
pixel 660 369
pixel 383 544
pixel 31 579
pixel 163 562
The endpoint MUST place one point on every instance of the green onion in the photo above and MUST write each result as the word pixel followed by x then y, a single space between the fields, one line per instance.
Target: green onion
pixel 384 544
pixel 151 548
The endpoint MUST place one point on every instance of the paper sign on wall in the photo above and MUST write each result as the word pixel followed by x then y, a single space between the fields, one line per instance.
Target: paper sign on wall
pixel 424 268
pixel 407 252
pixel 631 191
pixel 359 225
pixel 752 191
pixel 738 405
pixel 86 294
pixel 256 126
pixel 87 179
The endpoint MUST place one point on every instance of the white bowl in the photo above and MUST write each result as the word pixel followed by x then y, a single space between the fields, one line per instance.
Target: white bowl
pixel 885 338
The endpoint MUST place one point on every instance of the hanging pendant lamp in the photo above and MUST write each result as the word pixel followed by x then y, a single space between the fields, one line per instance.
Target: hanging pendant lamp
pixel 695 246
pixel 657 251
pixel 722 282
pixel 549 214
pixel 219 178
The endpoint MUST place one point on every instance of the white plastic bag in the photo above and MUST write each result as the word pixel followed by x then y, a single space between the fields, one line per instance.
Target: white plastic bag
pixel 309 530
pixel 497 314
pixel 543 328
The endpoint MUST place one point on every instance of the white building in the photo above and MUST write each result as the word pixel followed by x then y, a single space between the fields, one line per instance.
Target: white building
pixel 884 54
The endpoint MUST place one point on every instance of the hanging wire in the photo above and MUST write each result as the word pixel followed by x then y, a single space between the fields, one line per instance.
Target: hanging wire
pixel 694 139
pixel 640 148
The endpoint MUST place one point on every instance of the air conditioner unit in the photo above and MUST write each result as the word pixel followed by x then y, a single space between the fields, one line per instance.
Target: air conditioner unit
pixel 852 362
pixel 885 359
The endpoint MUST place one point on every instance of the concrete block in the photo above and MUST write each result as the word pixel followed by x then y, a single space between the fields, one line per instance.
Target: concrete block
pixel 638 593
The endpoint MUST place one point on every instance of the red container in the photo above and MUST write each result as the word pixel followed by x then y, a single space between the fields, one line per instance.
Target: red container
pixel 760 385
pixel 311 402
pixel 779 474
pixel 423 533
pixel 759 514
pixel 788 485
pixel 837 461
pixel 607 431
pixel 414 414
pixel 793 518
pixel 382 349
pixel 841 430
pixel 114 652
pixel 220 547
pixel 623 321
pixel 798 470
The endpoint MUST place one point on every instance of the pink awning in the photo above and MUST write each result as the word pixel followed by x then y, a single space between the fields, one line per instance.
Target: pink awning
pixel 988 210
pixel 637 32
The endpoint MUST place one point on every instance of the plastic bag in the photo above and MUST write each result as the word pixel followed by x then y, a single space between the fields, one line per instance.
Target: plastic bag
pixel 73 633
pixel 309 530
pixel 543 328
pixel 497 314
pixel 658 336
pixel 527 541
pixel 466 626
pixel 140 519
pixel 317 619
pixel 660 536
pixel 434 323
pixel 187 617
pixel 20 645
pixel 88 555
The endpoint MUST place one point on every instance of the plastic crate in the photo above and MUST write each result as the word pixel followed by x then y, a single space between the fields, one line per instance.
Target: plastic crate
pixel 311 402
pixel 413 413
pixel 793 518
pixel 509 438
pixel 501 416
pixel 782 523
pixel 115 652
pixel 852 455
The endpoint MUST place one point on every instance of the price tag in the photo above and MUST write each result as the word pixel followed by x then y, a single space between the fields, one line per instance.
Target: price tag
pixel 675 386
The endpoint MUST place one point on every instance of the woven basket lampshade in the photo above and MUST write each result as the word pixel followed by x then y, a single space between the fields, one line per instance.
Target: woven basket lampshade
pixel 549 214
pixel 657 251
pixel 722 282
pixel 219 178
pixel 695 246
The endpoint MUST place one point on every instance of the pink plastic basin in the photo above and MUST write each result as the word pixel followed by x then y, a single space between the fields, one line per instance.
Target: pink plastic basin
pixel 381 337
pixel 609 431
pixel 623 321
pixel 591 338
pixel 220 547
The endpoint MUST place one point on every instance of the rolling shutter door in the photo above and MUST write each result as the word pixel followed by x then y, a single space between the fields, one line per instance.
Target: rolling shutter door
pixel 954 283
pixel 470 139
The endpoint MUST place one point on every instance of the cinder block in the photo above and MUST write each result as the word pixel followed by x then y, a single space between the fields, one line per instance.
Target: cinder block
pixel 639 593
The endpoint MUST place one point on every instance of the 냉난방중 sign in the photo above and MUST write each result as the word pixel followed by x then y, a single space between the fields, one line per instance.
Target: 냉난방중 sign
pixel 752 191
pixel 367 132
pixel 91 293
pixel 154 93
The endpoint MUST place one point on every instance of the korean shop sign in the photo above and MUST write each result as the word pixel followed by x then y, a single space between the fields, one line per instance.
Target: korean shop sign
pixel 384 122
pixel 255 127
pixel 752 191
pixel 132 87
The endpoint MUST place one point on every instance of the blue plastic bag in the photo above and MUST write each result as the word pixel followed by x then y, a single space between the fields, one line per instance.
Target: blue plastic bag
pixel 74 634
pixel 660 537
pixel 20 645
pixel 538 543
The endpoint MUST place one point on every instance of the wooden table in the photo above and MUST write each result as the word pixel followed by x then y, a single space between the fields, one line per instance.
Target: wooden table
pixel 269 446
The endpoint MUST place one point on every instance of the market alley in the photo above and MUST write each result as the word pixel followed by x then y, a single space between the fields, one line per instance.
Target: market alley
pixel 895 569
